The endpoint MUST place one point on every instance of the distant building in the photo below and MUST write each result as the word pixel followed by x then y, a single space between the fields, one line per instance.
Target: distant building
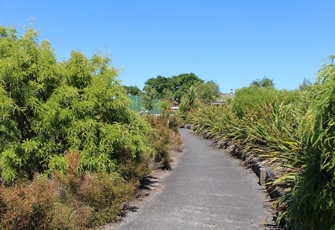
pixel 223 97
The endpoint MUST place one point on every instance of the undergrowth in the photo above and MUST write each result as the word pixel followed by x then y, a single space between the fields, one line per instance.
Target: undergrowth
pixel 70 200
pixel 76 199
pixel 166 139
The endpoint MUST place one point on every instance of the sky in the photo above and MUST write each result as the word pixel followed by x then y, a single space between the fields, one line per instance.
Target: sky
pixel 230 42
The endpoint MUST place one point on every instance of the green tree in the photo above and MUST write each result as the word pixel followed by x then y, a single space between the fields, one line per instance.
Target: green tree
pixel 182 84
pixel 49 108
pixel 168 95
pixel 178 85
pixel 207 92
pixel 148 97
pixel 264 82
pixel 132 90
pixel 305 84
pixel 188 104
pixel 159 84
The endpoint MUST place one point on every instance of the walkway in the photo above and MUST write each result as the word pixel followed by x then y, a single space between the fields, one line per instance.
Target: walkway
pixel 206 190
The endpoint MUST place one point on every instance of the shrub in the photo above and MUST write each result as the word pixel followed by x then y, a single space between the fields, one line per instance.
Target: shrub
pixel 52 107
pixel 166 139
pixel 312 205
pixel 71 200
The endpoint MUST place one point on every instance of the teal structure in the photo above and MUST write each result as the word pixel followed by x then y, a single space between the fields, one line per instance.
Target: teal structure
pixel 138 106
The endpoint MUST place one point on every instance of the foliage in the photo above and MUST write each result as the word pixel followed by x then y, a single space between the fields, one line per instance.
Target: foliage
pixel 71 149
pixel 148 96
pixel 312 203
pixel 168 95
pixel 132 90
pixel 72 200
pixel 160 84
pixel 182 84
pixel 49 108
pixel 264 82
pixel 178 85
pixel 262 123
pixel 165 106
pixel 305 84
pixel 166 139
pixel 207 92
pixel 188 104
pixel 293 133
pixel 251 98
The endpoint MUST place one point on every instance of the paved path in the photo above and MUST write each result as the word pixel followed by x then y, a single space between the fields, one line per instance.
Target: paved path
pixel 206 190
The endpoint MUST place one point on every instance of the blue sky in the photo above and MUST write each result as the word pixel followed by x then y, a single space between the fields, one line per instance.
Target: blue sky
pixel 231 42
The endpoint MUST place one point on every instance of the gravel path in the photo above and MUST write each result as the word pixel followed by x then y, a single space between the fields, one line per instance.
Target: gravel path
pixel 206 190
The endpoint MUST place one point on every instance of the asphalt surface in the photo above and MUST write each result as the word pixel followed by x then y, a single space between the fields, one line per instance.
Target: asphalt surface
pixel 207 189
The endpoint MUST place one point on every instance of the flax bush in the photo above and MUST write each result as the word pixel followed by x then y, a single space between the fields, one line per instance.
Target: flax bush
pixel 312 202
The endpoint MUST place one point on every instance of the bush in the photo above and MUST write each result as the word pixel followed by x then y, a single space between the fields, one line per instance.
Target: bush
pixel 52 107
pixel 71 200
pixel 166 139
pixel 312 205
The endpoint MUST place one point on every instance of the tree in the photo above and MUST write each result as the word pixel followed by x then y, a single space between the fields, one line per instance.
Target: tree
pixel 178 85
pixel 168 95
pixel 188 104
pixel 207 92
pixel 305 84
pixel 132 90
pixel 159 84
pixel 148 96
pixel 182 84
pixel 265 82
pixel 50 108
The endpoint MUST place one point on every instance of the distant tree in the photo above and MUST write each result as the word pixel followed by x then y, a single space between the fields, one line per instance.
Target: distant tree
pixel 188 104
pixel 178 85
pixel 160 84
pixel 305 84
pixel 265 82
pixel 132 90
pixel 165 106
pixel 168 95
pixel 207 92
pixel 182 84
pixel 148 96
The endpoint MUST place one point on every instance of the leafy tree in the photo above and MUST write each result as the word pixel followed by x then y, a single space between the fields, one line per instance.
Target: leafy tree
pixel 305 84
pixel 50 108
pixel 132 90
pixel 182 84
pixel 148 96
pixel 178 85
pixel 159 84
pixel 265 82
pixel 207 92
pixel 168 95
pixel 165 106
pixel 188 104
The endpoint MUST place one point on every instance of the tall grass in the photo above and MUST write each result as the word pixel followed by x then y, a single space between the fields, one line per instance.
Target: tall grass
pixel 265 128
pixel 291 132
